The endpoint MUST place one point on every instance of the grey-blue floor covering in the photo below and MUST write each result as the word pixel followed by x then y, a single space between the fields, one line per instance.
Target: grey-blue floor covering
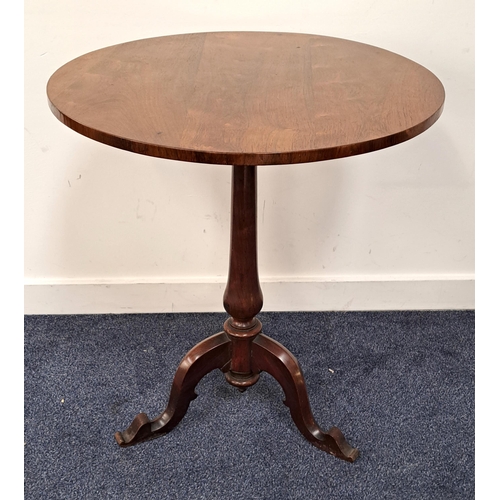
pixel 400 385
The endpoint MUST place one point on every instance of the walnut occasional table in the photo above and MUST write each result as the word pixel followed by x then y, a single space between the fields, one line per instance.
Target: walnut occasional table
pixel 244 99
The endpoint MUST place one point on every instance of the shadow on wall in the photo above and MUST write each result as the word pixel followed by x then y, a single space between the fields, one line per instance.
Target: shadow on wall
pixel 133 216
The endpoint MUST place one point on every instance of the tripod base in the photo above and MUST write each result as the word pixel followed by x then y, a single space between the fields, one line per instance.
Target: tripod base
pixel 267 355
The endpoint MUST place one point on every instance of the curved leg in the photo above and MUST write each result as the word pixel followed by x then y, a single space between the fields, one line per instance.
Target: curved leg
pixel 213 352
pixel 272 357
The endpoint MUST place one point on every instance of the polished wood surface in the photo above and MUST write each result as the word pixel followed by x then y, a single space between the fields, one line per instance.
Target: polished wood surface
pixel 241 351
pixel 215 352
pixel 243 298
pixel 246 98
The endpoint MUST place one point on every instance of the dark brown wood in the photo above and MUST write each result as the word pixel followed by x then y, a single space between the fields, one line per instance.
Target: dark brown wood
pixel 213 352
pixel 241 351
pixel 272 357
pixel 243 297
pixel 244 99
pixel 247 98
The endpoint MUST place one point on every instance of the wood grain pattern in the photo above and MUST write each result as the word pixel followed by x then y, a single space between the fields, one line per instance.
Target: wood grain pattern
pixel 246 98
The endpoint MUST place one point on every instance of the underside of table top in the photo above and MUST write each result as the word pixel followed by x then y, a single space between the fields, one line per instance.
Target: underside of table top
pixel 246 98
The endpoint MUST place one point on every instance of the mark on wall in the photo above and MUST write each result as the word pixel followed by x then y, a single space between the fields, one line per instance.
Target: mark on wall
pixel 145 210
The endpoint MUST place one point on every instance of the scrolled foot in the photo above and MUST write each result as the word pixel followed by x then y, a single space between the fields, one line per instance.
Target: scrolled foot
pixel 139 430
pixel 336 444
pixel 272 357
pixel 211 353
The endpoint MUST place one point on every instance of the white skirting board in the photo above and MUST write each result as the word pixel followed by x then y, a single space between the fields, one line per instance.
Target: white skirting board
pixel 280 294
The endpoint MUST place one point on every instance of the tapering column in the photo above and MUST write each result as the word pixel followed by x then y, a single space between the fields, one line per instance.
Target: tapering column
pixel 243 297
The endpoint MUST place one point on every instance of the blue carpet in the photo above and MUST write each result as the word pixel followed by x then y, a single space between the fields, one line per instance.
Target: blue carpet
pixel 400 386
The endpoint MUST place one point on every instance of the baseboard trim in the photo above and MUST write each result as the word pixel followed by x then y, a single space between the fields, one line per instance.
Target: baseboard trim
pixel 280 294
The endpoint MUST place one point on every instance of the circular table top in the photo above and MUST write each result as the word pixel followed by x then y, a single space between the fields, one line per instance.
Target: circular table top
pixel 246 98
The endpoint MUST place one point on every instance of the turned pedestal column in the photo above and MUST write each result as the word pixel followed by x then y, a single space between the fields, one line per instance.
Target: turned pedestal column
pixel 241 351
pixel 244 99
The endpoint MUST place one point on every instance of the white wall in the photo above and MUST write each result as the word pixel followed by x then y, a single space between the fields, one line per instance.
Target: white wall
pixel 110 231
